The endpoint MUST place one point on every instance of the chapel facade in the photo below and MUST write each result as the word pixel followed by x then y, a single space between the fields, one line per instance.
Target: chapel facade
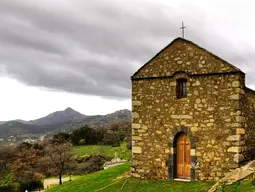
pixel 193 118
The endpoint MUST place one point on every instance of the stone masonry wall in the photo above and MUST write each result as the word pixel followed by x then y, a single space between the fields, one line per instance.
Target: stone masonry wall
pixel 249 132
pixel 210 112
pixel 185 56
pixel 211 115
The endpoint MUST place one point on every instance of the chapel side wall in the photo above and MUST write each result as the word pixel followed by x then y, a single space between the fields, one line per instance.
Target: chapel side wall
pixel 249 131
pixel 211 112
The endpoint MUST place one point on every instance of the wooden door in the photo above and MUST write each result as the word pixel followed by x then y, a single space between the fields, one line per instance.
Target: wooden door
pixel 183 157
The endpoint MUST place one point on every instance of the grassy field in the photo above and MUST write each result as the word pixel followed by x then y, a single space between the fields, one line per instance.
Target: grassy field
pixel 106 150
pixel 114 180
pixel 101 179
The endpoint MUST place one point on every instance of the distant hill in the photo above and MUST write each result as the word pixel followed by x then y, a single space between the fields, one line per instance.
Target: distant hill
pixel 59 117
pixel 66 120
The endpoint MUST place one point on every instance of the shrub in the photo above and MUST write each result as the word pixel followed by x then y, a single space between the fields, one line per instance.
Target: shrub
pixel 31 185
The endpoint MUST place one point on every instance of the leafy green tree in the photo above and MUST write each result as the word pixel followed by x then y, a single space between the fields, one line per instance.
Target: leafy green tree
pixel 61 137
pixel 86 135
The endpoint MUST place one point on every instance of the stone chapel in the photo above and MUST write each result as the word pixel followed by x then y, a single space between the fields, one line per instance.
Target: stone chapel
pixel 192 115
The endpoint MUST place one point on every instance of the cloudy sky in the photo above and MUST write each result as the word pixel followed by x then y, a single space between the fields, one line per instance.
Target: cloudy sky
pixel 81 53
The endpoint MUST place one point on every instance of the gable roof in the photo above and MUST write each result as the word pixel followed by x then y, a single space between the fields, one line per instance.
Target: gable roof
pixel 190 42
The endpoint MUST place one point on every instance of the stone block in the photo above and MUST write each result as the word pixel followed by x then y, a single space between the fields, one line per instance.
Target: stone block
pixel 234 97
pixel 135 115
pixel 235 149
pixel 167 150
pixel 236 84
pixel 238 158
pixel 140 170
pixel 195 92
pixel 198 100
pixel 136 149
pixel 192 152
pixel 240 131
pixel 136 125
pixel 239 143
pixel 234 138
pixel 226 143
pixel 173 83
pixel 236 125
pixel 210 108
pixel 240 119
pixel 136 138
pixel 193 129
pixel 132 169
pixel 181 116
pixel 136 175
pixel 197 83
pixel 136 103
pixel 144 127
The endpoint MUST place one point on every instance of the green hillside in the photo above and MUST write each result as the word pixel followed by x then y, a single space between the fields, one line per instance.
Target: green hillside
pixel 115 180
pixel 105 150
pixel 99 180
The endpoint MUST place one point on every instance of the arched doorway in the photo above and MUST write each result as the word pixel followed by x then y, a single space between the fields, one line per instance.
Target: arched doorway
pixel 183 160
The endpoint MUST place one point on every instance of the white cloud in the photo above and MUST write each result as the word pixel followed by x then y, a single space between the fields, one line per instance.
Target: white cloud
pixel 83 52
pixel 19 101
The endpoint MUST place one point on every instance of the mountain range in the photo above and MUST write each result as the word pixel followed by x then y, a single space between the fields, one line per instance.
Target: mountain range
pixel 66 120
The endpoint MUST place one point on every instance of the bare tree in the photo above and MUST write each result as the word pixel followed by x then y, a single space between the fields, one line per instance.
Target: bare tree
pixel 59 157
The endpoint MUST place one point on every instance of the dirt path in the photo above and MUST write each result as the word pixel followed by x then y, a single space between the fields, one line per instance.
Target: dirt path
pixel 50 182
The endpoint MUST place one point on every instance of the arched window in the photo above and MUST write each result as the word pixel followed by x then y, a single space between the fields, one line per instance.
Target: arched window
pixel 181 88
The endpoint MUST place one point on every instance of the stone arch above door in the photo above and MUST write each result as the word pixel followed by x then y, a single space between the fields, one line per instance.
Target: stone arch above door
pixel 172 155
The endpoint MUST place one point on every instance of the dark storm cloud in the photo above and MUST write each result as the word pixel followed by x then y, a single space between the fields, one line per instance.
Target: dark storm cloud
pixel 93 47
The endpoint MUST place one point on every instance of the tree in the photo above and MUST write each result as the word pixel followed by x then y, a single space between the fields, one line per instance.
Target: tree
pixel 115 133
pixel 86 136
pixel 7 156
pixel 59 158
pixel 61 137
pixel 111 138
pixel 26 166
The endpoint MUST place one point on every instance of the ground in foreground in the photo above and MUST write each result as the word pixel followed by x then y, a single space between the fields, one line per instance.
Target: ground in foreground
pixel 114 179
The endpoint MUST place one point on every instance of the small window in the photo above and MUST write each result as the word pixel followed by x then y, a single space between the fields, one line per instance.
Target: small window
pixel 181 88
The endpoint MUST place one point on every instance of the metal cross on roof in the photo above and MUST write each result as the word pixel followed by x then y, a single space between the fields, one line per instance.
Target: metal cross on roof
pixel 182 28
